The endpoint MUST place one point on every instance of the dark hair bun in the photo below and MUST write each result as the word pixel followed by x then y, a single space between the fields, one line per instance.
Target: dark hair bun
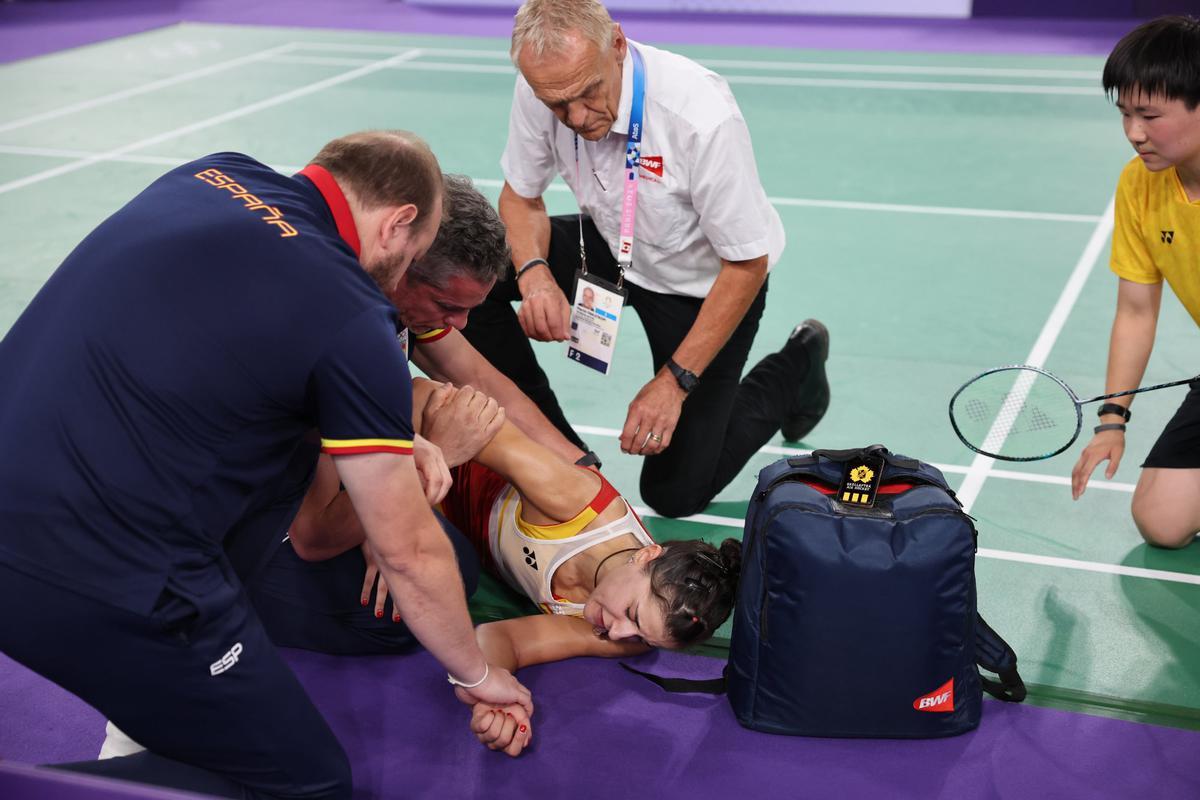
pixel 731 554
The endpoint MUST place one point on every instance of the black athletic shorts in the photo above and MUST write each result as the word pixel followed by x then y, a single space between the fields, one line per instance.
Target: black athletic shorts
pixel 1179 445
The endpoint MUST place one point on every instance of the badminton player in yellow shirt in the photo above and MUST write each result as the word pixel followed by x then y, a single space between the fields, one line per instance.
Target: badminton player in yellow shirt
pixel 1154 73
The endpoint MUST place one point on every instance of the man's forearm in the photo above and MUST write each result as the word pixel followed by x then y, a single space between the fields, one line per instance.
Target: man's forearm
pixel 414 557
pixel 527 225
pixel 426 588
pixel 737 284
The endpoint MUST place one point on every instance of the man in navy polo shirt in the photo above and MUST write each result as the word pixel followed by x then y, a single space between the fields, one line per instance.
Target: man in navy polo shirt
pixel 154 390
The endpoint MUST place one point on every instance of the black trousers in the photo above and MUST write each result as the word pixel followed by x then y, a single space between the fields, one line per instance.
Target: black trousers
pixel 197 681
pixel 724 421
pixel 314 605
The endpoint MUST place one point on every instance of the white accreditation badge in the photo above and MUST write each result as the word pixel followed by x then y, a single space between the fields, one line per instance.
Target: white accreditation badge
pixel 595 317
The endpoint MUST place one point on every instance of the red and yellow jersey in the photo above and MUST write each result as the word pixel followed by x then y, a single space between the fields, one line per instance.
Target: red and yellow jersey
pixel 487 509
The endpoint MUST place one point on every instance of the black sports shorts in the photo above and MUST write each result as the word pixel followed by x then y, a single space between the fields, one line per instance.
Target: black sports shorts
pixel 1179 445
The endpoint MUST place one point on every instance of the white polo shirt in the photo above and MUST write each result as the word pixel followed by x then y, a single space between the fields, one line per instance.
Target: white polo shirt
pixel 699 197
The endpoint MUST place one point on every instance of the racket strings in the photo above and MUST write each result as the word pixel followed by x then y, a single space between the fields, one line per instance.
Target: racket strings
pixel 1015 414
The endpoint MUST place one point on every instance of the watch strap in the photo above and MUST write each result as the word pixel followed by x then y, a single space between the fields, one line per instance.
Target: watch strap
pixel 1113 408
pixel 686 379
pixel 588 459
pixel 528 265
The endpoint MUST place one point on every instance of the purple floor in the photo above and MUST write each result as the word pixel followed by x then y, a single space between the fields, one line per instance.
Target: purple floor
pixel 603 733
pixel 36 27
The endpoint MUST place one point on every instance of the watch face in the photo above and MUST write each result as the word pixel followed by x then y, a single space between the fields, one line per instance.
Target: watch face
pixel 686 380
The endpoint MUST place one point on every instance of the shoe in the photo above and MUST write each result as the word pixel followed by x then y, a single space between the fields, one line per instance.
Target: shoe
pixel 813 396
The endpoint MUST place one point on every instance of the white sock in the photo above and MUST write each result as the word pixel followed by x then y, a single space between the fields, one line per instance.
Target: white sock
pixel 117 743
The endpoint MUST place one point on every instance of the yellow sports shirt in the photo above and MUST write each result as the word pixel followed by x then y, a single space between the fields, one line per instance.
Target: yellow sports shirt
pixel 1157 233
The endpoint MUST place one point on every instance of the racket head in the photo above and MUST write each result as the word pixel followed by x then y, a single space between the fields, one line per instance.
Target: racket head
pixel 1016 413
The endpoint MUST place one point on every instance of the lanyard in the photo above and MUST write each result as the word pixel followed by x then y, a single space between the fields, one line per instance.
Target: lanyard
pixel 633 151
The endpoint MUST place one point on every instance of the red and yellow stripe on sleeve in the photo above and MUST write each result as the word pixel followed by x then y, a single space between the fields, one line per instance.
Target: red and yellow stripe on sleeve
pixel 432 335
pixel 349 447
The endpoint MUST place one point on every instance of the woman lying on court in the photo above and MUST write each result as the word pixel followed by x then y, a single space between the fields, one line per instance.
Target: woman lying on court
pixel 558 533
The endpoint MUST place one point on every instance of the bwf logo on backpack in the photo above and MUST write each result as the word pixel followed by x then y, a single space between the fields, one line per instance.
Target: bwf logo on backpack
pixel 226 661
pixel 940 699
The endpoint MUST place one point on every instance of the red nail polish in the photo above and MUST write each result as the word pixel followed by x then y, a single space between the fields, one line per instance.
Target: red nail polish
pixel 395 618
pixel 521 729
pixel 378 615
pixel 362 601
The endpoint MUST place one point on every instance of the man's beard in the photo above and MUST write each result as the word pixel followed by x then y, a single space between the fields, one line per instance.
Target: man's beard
pixel 386 271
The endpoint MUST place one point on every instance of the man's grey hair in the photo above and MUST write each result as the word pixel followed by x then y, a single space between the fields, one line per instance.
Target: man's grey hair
pixel 470 241
pixel 543 26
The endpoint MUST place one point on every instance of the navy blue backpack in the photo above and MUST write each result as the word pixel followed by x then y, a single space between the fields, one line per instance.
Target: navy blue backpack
pixel 856 612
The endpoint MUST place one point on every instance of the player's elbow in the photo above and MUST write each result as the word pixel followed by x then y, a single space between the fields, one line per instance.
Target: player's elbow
pixel 312 548
pixel 306 539
pixel 498 646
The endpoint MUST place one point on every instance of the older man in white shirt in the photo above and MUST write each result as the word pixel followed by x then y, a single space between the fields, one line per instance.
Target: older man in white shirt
pixel 660 161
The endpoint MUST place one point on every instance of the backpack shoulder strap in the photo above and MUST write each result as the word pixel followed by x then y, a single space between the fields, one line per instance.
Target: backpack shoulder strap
pixel 684 685
pixel 993 654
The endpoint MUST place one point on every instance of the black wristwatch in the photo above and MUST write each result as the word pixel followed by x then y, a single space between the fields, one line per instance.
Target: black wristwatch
pixel 686 379
pixel 588 459
pixel 1113 408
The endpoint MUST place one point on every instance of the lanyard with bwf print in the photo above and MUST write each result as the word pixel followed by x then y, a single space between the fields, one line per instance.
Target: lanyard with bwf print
pixel 597 303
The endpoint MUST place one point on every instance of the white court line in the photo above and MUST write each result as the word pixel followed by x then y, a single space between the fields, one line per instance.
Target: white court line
pixel 773 66
pixel 983 552
pixel 921 86
pixel 754 80
pixel 58 152
pixel 1092 566
pixel 134 91
pixel 434 66
pixel 981 465
pixel 904 69
pixel 208 123
pixel 493 183
pixel 848 205
pixel 911 209
pixel 1012 475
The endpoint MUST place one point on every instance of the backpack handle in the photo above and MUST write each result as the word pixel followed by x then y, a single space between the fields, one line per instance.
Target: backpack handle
pixel 875 450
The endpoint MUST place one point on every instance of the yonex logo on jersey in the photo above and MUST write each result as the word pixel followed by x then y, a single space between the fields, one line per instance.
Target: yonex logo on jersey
pixel 530 557
pixel 1167 236
pixel 269 214
pixel 940 699
pixel 226 661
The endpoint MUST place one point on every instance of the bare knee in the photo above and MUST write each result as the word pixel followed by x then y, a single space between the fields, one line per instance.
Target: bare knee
pixel 1161 528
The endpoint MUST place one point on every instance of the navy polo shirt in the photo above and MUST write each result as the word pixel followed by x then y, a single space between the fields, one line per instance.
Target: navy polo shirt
pixel 169 369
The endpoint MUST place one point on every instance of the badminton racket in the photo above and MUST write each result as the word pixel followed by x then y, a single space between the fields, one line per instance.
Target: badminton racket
pixel 1023 413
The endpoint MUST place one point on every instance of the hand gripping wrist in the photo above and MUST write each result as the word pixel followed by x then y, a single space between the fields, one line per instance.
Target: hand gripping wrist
pixel 487 670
